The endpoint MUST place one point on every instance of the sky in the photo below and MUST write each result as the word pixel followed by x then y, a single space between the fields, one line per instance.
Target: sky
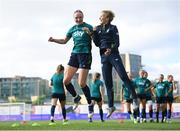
pixel 150 28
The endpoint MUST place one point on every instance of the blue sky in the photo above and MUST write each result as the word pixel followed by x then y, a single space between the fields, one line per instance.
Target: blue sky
pixel 150 28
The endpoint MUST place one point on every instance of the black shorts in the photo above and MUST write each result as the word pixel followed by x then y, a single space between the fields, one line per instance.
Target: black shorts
pixel 96 99
pixel 80 60
pixel 129 100
pixel 141 96
pixel 169 99
pixel 161 100
pixel 148 98
pixel 61 97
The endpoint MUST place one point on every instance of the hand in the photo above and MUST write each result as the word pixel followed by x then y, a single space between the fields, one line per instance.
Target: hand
pixel 51 39
pixel 86 30
pixel 107 52
pixel 94 28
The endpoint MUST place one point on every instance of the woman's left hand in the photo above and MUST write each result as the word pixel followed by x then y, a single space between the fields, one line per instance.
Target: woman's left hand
pixel 107 52
pixel 85 29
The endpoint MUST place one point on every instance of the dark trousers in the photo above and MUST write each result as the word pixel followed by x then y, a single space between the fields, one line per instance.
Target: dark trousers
pixel 108 62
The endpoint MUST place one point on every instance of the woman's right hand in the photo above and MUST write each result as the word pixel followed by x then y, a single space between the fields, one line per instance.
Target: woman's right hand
pixel 94 28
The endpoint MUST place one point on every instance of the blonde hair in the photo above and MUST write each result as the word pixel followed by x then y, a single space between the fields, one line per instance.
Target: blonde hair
pixel 110 14
pixel 78 11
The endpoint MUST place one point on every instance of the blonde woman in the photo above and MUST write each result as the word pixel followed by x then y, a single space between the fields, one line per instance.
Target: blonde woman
pixel 80 58
pixel 106 37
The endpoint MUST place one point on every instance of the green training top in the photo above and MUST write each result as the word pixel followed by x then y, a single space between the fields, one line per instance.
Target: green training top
pixel 95 88
pixel 169 86
pixel 57 83
pixel 161 89
pixel 82 40
pixel 127 92
pixel 148 92
pixel 140 84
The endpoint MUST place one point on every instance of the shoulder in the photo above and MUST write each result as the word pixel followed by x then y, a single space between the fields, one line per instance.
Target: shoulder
pixel 156 83
pixel 101 82
pixel 72 28
pixel 98 27
pixel 147 80
pixel 88 25
pixel 136 79
pixel 54 75
pixel 61 75
pixel 166 82
pixel 113 26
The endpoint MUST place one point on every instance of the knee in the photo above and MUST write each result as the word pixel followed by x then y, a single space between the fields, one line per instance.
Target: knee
pixel 82 84
pixel 93 102
pixel 66 81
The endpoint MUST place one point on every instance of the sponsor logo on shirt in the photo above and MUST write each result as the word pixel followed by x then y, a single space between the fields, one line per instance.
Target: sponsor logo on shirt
pixel 78 34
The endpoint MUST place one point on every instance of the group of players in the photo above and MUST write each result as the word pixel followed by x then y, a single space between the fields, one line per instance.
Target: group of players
pixel 106 37
pixel 160 92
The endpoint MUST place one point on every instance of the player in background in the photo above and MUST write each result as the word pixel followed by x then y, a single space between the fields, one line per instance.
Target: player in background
pixel 140 85
pixel 170 87
pixel 80 58
pixel 58 93
pixel 149 94
pixel 160 93
pixel 97 93
pixel 126 96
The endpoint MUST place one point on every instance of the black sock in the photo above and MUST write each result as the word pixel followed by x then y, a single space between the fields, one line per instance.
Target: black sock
pixel 64 113
pixel 53 110
pixel 157 115
pixel 135 113
pixel 163 114
pixel 169 113
pixel 151 113
pixel 71 89
pixel 101 113
pixel 138 112
pixel 87 94
pixel 129 112
pixel 143 113
pixel 91 108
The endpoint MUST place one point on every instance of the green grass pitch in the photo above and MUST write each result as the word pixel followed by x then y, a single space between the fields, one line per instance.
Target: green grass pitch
pixel 85 125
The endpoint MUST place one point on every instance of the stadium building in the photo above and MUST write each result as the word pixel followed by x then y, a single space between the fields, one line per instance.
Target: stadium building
pixel 22 88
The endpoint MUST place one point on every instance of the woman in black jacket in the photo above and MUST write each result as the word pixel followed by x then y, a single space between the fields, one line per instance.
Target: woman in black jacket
pixel 106 37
